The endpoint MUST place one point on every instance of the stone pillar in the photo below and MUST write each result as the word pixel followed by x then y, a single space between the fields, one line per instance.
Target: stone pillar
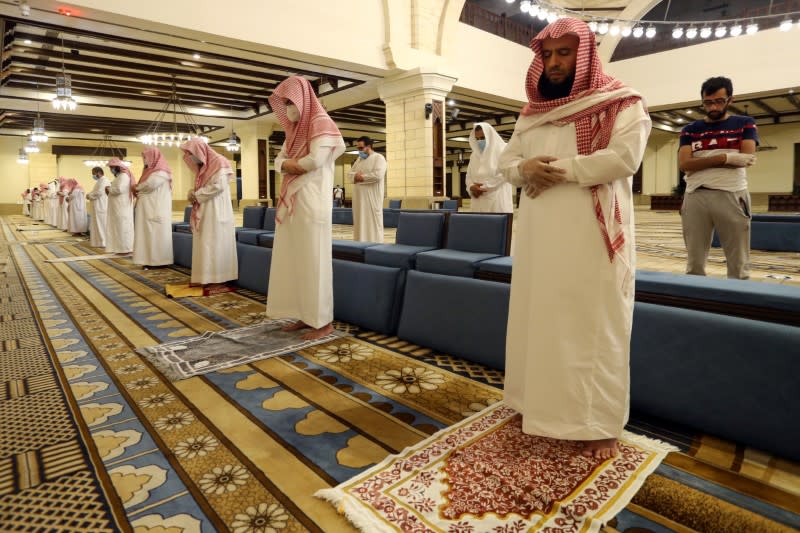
pixel 250 134
pixel 409 134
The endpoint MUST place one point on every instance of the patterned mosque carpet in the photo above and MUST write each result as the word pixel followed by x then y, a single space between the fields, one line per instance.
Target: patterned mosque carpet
pixel 94 438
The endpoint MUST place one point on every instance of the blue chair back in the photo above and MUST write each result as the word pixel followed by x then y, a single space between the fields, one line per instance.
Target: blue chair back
pixel 484 233
pixel 269 219
pixel 394 204
pixel 253 217
pixel 420 229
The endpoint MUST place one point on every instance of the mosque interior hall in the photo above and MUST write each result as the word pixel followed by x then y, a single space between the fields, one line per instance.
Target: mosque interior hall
pixel 148 396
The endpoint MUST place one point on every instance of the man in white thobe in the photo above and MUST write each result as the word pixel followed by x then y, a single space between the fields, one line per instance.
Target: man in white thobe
pixel 78 221
pixel 489 190
pixel 26 202
pixel 301 274
pixel 368 173
pixel 119 220
pixel 63 204
pixel 99 199
pixel 576 145
pixel 152 236
pixel 50 203
pixel 214 258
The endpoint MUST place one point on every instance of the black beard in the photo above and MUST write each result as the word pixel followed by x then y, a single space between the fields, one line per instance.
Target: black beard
pixel 552 91
pixel 719 115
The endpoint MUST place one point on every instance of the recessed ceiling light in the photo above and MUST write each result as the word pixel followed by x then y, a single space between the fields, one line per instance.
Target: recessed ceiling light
pixel 27 41
pixel 196 56
pixel 149 93
pixel 96 130
pixel 190 64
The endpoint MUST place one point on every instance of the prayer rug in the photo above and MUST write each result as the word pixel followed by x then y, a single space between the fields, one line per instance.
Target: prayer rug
pixel 186 290
pixel 73 258
pixel 485 474
pixel 225 349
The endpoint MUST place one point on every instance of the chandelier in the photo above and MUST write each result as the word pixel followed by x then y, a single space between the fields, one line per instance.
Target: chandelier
pixel 64 100
pixel 105 151
pixel 31 147
pixel 161 132
pixel 38 133
pixel 22 158
pixel 234 143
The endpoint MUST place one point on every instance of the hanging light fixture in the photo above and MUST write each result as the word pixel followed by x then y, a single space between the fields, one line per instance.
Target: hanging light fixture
pixel 162 133
pixel 38 133
pixel 234 143
pixel 64 100
pixel 104 151
pixel 22 158
pixel 31 147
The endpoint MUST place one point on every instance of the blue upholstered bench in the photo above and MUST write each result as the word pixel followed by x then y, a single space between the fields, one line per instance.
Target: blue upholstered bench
pixel 182 248
pixel 184 226
pixel 342 215
pixel 432 316
pixel 252 218
pixel 471 238
pixel 254 266
pixel 368 296
pixel 347 250
pixel 391 217
pixel 774 233
pixel 497 269
pixel 267 240
pixel 395 204
pixel 416 232
pixel 250 236
pixel 450 205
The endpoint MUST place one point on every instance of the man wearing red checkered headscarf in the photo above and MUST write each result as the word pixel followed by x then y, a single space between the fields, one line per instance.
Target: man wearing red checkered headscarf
pixel 301 273
pixel 579 140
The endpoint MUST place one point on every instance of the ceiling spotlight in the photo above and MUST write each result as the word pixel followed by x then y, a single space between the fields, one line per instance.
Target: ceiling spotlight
pixel 603 28
pixel 705 33
pixel 677 33
pixel 691 33
pixel 720 31
pixel 451 102
pixel 626 31
pixel 593 25
pixel 614 31
pixel 27 41
pixel 196 56
pixel 638 31
pixel 534 10
pixel 525 6
pixel 736 30
pixel 509 1
pixel 786 25
pixel 543 14
pixel 752 28
pixel 651 32
pixel 552 17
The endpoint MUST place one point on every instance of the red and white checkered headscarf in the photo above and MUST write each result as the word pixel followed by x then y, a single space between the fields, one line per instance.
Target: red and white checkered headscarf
pixel 593 123
pixel 212 164
pixel 116 162
pixel 155 161
pixel 314 122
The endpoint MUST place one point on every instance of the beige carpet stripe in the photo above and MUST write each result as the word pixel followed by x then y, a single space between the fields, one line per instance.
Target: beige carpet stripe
pixel 358 414
pixel 282 468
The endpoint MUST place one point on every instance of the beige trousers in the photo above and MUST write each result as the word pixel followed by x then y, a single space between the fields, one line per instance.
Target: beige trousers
pixel 706 210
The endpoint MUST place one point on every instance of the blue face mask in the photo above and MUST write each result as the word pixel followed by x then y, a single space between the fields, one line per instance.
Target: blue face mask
pixel 362 154
pixel 482 144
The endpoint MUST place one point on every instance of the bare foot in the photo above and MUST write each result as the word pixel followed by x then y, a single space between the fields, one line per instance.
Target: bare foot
pixel 600 449
pixel 296 326
pixel 318 333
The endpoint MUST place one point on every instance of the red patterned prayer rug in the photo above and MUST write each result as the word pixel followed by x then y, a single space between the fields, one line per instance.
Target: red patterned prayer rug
pixel 485 475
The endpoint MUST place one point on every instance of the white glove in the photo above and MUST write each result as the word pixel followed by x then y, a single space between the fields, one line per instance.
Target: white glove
pixel 736 159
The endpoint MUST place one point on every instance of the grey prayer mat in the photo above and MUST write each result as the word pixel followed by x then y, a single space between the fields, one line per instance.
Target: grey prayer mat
pixel 224 349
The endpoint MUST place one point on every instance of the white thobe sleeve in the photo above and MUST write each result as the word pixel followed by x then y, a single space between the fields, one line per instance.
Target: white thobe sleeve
pixel 376 172
pixel 280 158
pixel 213 188
pixel 620 159
pixel 322 150
pixel 120 185
pixel 156 180
pixel 510 160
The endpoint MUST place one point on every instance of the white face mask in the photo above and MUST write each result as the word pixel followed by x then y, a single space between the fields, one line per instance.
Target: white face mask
pixel 292 113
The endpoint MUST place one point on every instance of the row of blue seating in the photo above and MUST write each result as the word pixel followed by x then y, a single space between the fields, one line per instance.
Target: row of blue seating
pixel 717 355
pixel 773 233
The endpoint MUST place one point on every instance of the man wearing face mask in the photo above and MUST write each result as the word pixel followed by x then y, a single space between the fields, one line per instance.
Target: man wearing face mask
pixel 715 153
pixel 99 199
pixel 488 189
pixel 368 173
pixel 119 239
pixel 214 257
pixel 301 274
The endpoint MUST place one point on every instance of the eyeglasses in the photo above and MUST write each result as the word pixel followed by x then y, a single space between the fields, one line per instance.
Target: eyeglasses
pixel 717 101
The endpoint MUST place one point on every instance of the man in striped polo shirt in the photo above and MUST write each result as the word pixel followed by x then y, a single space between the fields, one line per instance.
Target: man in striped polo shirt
pixel 714 153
